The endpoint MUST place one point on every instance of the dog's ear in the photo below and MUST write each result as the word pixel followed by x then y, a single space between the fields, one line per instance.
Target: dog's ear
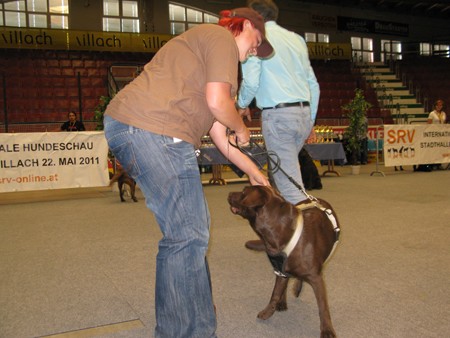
pixel 255 197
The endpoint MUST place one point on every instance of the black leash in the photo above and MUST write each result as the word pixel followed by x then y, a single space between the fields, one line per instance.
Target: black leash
pixel 270 155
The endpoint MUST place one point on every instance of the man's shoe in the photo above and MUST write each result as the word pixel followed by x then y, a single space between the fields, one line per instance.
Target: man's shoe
pixel 257 245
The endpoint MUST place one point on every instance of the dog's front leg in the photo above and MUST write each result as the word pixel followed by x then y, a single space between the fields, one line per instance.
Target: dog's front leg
pixel 326 327
pixel 121 192
pixel 133 193
pixel 278 299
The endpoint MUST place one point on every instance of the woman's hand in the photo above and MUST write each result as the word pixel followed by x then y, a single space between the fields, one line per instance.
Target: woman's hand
pixel 241 140
pixel 258 179
pixel 220 138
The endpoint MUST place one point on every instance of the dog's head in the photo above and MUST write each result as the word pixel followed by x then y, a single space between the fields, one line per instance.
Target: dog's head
pixel 252 199
pixel 245 203
pixel 267 212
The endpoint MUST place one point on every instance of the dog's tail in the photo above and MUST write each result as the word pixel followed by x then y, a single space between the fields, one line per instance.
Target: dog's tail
pixel 116 177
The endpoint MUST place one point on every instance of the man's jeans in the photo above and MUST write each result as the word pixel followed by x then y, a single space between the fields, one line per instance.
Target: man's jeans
pixel 285 131
pixel 167 173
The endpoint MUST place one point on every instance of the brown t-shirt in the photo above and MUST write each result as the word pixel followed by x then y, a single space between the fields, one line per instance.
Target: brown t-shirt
pixel 168 97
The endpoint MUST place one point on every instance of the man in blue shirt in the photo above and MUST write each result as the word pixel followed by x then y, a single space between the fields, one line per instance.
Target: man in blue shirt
pixel 287 92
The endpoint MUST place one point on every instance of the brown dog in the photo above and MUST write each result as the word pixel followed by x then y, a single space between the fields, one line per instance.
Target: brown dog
pixel 122 178
pixel 276 221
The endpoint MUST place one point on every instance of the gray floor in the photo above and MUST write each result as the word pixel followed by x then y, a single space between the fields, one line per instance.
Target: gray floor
pixel 83 265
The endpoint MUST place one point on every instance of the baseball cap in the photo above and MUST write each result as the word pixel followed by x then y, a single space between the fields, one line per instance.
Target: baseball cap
pixel 265 49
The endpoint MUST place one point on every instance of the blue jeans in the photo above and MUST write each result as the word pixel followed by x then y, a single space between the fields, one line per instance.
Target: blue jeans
pixel 285 131
pixel 168 175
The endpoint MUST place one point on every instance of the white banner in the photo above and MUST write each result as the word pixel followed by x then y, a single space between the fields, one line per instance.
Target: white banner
pixel 416 144
pixel 39 161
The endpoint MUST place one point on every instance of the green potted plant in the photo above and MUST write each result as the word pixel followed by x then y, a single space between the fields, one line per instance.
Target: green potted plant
pixel 356 111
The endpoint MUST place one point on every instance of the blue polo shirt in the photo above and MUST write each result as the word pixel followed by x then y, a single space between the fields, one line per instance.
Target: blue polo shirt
pixel 285 77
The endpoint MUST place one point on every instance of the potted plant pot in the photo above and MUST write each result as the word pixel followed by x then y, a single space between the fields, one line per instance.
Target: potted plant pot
pixel 356 169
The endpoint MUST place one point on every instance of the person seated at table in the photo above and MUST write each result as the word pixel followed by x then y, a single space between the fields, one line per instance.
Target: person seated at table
pixel 73 124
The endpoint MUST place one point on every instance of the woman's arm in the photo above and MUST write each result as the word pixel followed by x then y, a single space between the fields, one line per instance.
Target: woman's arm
pixel 220 139
pixel 222 106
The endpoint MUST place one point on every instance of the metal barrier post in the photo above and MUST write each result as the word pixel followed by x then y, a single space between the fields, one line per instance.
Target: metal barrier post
pixel 377 150
pixel 80 102
pixel 5 106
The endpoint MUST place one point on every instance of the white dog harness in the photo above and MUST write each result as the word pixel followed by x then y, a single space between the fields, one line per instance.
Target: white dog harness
pixel 278 261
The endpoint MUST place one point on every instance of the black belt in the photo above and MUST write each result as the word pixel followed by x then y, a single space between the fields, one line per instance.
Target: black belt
pixel 289 104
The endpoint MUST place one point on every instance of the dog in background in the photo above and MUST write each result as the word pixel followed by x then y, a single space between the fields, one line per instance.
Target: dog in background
pixel 298 241
pixel 122 178
pixel 310 174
